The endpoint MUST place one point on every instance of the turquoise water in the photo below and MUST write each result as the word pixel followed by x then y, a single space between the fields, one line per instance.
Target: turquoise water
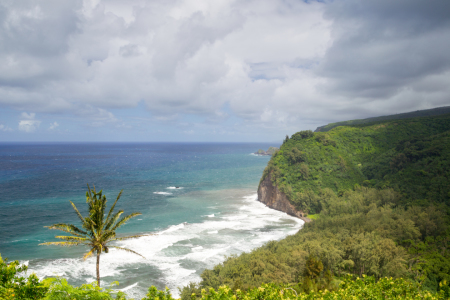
pixel 212 213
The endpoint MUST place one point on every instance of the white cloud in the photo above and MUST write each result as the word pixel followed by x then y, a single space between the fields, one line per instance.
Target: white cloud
pixel 178 56
pixel 53 125
pixel 124 126
pixel 28 124
pixel 282 64
pixel 97 117
pixel 5 128
pixel 28 116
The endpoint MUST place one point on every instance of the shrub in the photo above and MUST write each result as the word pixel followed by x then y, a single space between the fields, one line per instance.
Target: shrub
pixel 15 286
pixel 60 289
pixel 302 135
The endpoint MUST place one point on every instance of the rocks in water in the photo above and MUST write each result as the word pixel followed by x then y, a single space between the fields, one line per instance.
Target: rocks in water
pixel 270 151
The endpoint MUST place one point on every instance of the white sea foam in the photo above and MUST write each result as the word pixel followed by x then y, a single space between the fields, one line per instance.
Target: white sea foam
pixel 258 155
pixel 173 228
pixel 175 188
pixel 181 251
pixel 129 287
pixel 162 193
pixel 237 217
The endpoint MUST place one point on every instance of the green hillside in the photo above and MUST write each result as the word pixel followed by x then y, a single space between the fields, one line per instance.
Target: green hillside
pixel 414 114
pixel 380 196
pixel 411 156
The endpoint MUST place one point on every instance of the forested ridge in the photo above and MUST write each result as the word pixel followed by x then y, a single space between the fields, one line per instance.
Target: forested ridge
pixel 379 196
pixel 410 156
pixel 413 114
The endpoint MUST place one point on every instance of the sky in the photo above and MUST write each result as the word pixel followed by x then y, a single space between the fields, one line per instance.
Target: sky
pixel 214 71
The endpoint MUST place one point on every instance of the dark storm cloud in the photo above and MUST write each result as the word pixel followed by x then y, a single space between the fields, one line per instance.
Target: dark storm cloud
pixel 381 46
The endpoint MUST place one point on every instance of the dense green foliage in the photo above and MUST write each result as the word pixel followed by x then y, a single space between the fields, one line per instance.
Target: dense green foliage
pixel 361 288
pixel 61 290
pixel 13 285
pixel 349 288
pixel 411 156
pixel 380 198
pixel 357 233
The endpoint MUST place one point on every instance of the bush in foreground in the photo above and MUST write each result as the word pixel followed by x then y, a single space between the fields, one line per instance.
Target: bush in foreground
pixel 60 289
pixel 14 286
pixel 361 288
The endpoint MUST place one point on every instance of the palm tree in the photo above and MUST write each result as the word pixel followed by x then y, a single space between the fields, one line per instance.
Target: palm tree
pixel 97 232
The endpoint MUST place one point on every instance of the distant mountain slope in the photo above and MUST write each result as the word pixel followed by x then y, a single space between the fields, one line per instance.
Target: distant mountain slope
pixel 414 114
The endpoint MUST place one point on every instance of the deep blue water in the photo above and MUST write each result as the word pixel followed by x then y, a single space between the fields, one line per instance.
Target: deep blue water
pixel 38 180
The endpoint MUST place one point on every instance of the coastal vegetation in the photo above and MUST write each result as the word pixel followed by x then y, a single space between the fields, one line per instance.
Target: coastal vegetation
pixel 97 233
pixel 378 194
pixel 380 197
pixel 14 286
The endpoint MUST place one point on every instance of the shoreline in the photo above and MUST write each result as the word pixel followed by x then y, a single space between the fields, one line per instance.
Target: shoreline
pixel 272 197
pixel 180 252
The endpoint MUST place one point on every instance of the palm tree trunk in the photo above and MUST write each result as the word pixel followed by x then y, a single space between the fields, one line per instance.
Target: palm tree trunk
pixel 98 268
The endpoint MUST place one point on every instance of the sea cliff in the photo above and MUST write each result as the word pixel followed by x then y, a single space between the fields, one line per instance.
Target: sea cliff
pixel 271 196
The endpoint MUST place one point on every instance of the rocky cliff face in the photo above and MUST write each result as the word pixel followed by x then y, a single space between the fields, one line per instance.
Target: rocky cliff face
pixel 273 198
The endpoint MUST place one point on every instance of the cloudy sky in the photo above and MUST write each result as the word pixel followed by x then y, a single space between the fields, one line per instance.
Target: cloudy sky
pixel 222 70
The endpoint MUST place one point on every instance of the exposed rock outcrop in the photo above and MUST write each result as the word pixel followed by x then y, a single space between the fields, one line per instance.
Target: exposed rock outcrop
pixel 271 196
pixel 270 151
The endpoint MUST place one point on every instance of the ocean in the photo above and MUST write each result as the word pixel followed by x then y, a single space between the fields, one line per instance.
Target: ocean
pixel 198 201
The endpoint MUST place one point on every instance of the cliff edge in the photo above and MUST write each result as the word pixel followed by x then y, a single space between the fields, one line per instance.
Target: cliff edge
pixel 273 198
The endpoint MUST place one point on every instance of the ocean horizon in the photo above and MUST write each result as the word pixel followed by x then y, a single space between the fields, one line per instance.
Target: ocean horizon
pixel 198 201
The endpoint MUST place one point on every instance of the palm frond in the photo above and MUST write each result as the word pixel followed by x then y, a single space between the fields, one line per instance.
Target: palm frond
pixel 130 237
pixel 107 236
pixel 113 220
pixel 69 228
pixel 78 213
pixel 112 207
pixel 125 219
pixel 72 238
pixel 89 193
pixel 92 228
pixel 67 244
pixel 127 250
pixel 89 254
